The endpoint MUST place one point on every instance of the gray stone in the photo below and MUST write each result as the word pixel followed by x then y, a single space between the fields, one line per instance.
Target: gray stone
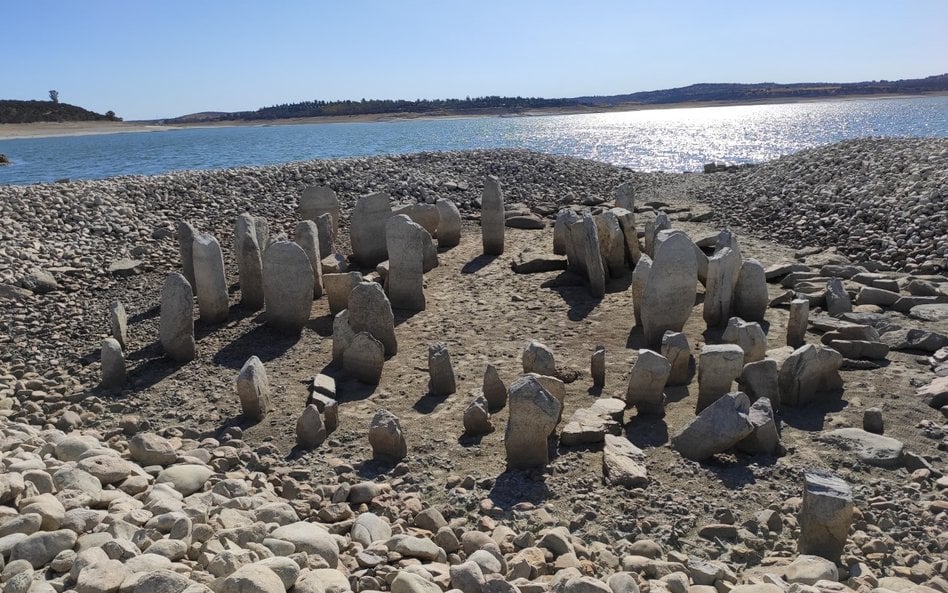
pixel 494 389
pixel 652 229
pixel 367 229
pixel 467 577
pixel 113 364
pixel 449 225
pixel 440 372
pixel 118 323
pixel 646 389
pixel 594 267
pixel 718 367
pixel 597 366
pixel 186 234
pixel 253 388
pixel 837 299
pixel 797 324
pixel 176 318
pixel 868 295
pixel 370 311
pixel 310 538
pixel 716 429
pixel 860 349
pixel 307 237
pixel 750 293
pixel 825 515
pixel 576 248
pixel 765 438
pixel 409 582
pixel 426 215
pixel 248 253
pixel 723 266
pixel 612 246
pixel 914 339
pixel 749 336
pixel 364 358
pixel 640 276
pixel 342 336
pixel 564 218
pixel 591 425
pixel 868 447
pixel 40 548
pixel 808 373
pixel 872 421
pixel 932 312
pixel 534 413
pixel 676 350
pixel 625 196
pixel 252 578
pixel 210 282
pixel 287 286
pixel 406 245
pixel 935 394
pixel 369 528
pixel 338 288
pixel 623 464
pixel 538 358
pixel 671 286
pixel 150 449
pixel 492 217
pixel 386 438
pixel 185 478
pixel 633 251
pixel 318 201
pixel 329 408
pixel 477 417
pixel 310 429
pixel 759 380
pixel 809 570
pixel 327 236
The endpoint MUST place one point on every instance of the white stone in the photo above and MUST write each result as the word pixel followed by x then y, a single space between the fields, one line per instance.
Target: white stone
pixel 534 413
pixel 287 285
pixel 176 318
pixel 367 229
pixel 406 244
pixel 307 237
pixel 646 389
pixel 449 225
pixel 492 217
pixel 253 389
pixel 210 282
pixel 370 311
pixel 718 367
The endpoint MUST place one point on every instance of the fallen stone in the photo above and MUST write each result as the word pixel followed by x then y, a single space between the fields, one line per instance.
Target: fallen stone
pixel 386 437
pixel 870 448
pixel 809 373
pixel 718 427
pixel 623 463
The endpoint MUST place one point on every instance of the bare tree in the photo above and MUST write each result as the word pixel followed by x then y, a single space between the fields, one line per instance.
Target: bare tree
pixel 54 96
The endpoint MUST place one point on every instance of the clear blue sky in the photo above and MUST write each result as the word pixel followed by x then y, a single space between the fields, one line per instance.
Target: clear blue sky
pixel 161 59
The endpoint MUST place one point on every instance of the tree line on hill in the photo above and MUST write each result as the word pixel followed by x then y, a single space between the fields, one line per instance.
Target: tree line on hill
pixel 26 112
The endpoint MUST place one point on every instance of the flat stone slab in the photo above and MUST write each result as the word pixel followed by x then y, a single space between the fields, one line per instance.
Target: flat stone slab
pixel 529 222
pixel 870 448
pixel 934 312
pixel 623 464
pixel 591 425
pixel 125 267
pixel 532 262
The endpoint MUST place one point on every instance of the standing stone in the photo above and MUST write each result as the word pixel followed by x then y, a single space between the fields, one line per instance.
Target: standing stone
pixel 796 326
pixel 386 438
pixel 406 244
pixel 338 289
pixel 538 358
pixel 716 429
pixel 534 413
pixel 759 381
pixel 176 319
pixel 492 217
pixel 671 286
pixel 652 229
pixel 825 515
pixel 440 372
pixel 749 336
pixel 477 417
pixel 364 358
pixel 253 388
pixel 287 286
pixel 718 367
pixel 640 276
pixel 676 350
pixel 367 229
pixel 597 366
pixel 633 252
pixel 113 364
pixel 576 247
pixel 310 429
pixel 247 252
pixel 186 235
pixel 750 293
pixel 317 201
pixel 625 197
pixel 810 372
pixel 449 225
pixel 494 389
pixel 211 284
pixel 342 336
pixel 118 323
pixel 764 438
pixel 429 252
pixel 719 289
pixel 307 237
pixel 370 311
pixel 646 390
pixel 594 270
pixel 328 408
pixel 326 234
pixel 426 215
pixel 837 299
pixel 872 421
pixel 564 218
pixel 612 246
pixel 262 232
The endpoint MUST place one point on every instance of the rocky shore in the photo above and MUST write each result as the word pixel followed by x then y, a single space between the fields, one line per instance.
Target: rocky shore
pixel 163 486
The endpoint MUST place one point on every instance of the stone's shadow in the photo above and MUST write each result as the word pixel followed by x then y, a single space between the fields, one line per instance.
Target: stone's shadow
pixel 732 474
pixel 403 315
pixel 478 263
pixel 471 440
pixel 264 342
pixel 595 390
pixel 580 302
pixel 812 417
pixel 347 388
pixel 636 339
pixel 429 402
pixel 321 325
pixel 699 299
pixel 714 335
pixel 371 469
pixel 519 485
pixel 152 370
pixel 646 431
pixel 234 314
pixel 147 352
pixel 675 393
pixel 765 325
pixel 619 283
pixel 149 313
pixel 240 421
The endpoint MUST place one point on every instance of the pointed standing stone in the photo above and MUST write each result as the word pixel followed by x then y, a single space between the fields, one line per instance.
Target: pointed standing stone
pixel 370 311
pixel 646 389
pixel 262 232
pixel 367 229
pixel 597 366
pixel 564 218
pixel 671 286
pixel 796 326
pixel 825 515
pixel 534 413
pixel 494 389
pixel 492 217
pixel 538 358
pixel 326 234
pixel 594 269
pixel 406 244
pixel 612 245
pixel 209 276
pixel 186 234
pixel 441 374
pixel 837 299
pixel 652 229
pixel 750 293
pixel 253 389
pixel 633 251
pixel 719 289
pixel 676 350
pixel 307 237
pixel 113 364
pixel 364 358
pixel 118 323
pixel 625 196
pixel 310 429
pixel 247 252
pixel 176 319
pixel 477 417
pixel 449 225
pixel 386 437
pixel 287 286
pixel 342 336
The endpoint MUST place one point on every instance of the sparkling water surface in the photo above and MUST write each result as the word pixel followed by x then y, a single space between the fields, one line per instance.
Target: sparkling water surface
pixel 678 139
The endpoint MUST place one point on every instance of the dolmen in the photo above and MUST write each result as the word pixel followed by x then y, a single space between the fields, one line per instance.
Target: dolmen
pixel 664 288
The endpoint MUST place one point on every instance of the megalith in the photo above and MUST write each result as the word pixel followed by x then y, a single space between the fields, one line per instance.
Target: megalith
pixel 494 389
pixel 595 273
pixel 406 244
pixel 118 323
pixel 837 299
pixel 287 286
pixel 492 217
pixel 750 293
pixel 538 358
pixel 810 372
pixel 625 196
pixel 716 428
pixel 311 431
pixel 113 364
pixel 719 288
pixel 367 229
pixel 449 224
pixel 253 389
pixel 676 350
pixel 370 311
pixel 364 358
pixel 209 276
pixel 534 413
pixel 307 237
pixel 749 336
pixel 326 235
pixel 564 218
pixel 646 389
pixel 318 200
pixel 652 229
pixel 670 290
pixel 386 437
pixel 338 288
pixel 612 246
pixel 719 365
pixel 797 324
pixel 249 258
pixel 441 379
pixel 186 234
pixel 825 514
pixel 176 318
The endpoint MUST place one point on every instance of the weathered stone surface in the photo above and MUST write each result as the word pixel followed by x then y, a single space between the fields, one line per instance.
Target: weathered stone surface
pixel 612 245
pixel 561 239
pixel 935 394
pixel 368 227
pixel 426 215
pixel 625 196
pixel 287 286
pixel 626 218
pixel 307 237
pixel 749 336
pixel 677 352
pixel 860 349
pixel 765 438
pixel 825 515
pixel 808 373
pixel 386 438
pixel 151 449
pixel 530 221
pixel 716 429
pixel 723 266
pixel 869 295
pixel 530 261
pixel 326 236
pixel 759 380
pixel 186 234
pixel 440 372
pixel 914 339
pixel 494 389
pixel 342 336
pixel 534 413
pixel 640 276
pixel 796 326
pixel 718 367
pixel 538 358
pixel 317 201
pixel 590 425
pixel 113 364
pixel 646 388
pixel 310 538
pixel 310 429
pixel 652 229
pixel 477 417
pixel 248 253
pixel 406 246
pixel 253 389
pixel 492 217
pixel 118 323
pixel 338 288
pixel 186 478
pixel 449 225
pixel 364 358
pixel 750 293
pixel 837 299
pixel 210 283
pixel 40 548
pixel 868 447
pixel 176 318
pixel 671 286
pixel 370 311
pixel 931 312
pixel 623 464
pixel 597 366
pixel 594 266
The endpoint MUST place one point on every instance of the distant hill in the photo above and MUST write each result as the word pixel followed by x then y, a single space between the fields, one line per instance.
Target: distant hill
pixel 25 112
pixel 696 93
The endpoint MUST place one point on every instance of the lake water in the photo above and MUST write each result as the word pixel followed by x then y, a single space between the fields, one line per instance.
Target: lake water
pixel 680 139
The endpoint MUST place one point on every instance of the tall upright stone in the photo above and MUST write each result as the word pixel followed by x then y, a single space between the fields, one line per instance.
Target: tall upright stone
pixel 307 237
pixel 441 379
pixel 367 228
pixel 253 389
pixel 176 318
pixel 718 367
pixel 626 218
pixel 386 437
pixel 597 366
pixel 406 244
pixel 646 389
pixel 576 247
pixel 249 258
pixel 564 218
pixel 594 268
pixel 625 196
pixel 538 358
pixel 825 515
pixel 370 311
pixel 186 234
pixel 612 245
pixel 287 286
pixel 311 431
pixel 342 336
pixel 652 229
pixel 671 286
pixel 640 276
pixel 797 324
pixel 262 232
pixel 494 389
pixel 837 299
pixel 326 235
pixel 534 413
pixel 492 217
pixel 719 289
pixel 364 358
pixel 319 200
pixel 118 323
pixel 676 350
pixel 749 336
pixel 338 288
pixel 209 276
pixel 750 293
pixel 449 225
pixel 113 364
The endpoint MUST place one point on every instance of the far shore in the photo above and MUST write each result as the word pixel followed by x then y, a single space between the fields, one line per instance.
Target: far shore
pixel 85 128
